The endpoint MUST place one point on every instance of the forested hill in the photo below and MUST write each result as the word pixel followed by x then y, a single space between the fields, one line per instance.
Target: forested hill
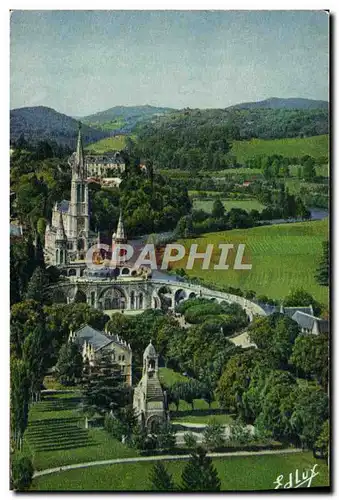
pixel 39 123
pixel 279 103
pixel 242 123
pixel 194 138
pixel 123 119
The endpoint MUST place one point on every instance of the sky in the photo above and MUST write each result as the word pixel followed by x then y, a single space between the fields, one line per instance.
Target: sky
pixel 82 62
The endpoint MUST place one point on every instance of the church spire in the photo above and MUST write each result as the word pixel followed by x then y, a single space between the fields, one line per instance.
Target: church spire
pixel 120 235
pixel 80 150
pixel 61 235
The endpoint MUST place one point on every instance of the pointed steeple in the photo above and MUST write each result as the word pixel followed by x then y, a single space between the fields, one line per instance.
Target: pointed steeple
pixel 61 235
pixel 79 158
pixel 120 235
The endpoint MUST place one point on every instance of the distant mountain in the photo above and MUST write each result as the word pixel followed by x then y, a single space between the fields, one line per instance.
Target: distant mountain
pixel 39 123
pixel 279 103
pixel 122 119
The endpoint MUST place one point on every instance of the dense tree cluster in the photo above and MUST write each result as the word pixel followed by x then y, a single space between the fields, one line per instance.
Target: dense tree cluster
pixel 261 385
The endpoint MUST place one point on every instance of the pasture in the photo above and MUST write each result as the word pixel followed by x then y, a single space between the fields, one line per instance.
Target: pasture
pixel 108 144
pixel 235 473
pixel 282 256
pixel 247 205
pixel 316 146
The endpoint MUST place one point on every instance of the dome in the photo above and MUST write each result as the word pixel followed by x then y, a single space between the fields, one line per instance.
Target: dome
pixel 150 352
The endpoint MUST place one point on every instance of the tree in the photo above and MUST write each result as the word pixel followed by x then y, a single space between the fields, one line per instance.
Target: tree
pixel 70 365
pixel 323 441
pixel 218 210
pixel 323 271
pixel 19 399
pixel 34 354
pixel 311 410
pixel 235 378
pixel 213 436
pixel 276 335
pixel 299 297
pixel 190 440
pixel 161 479
pixel 200 474
pixel 21 472
pixel 310 357
pixel 309 172
pixel 165 436
pixel 239 432
pixel 36 289
pixel 104 388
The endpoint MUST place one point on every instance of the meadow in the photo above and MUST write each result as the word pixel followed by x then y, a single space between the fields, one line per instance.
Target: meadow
pixel 115 143
pixel 283 257
pixel 236 473
pixel 247 205
pixel 56 434
pixel 316 146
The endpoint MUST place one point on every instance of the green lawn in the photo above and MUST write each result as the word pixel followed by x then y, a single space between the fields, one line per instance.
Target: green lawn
pixel 221 418
pixel 236 473
pixel 247 205
pixel 168 376
pixel 282 256
pixel 316 146
pixel 109 143
pixel 56 435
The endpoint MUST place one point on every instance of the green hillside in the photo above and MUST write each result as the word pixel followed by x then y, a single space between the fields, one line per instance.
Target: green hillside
pixel 316 146
pixel 108 144
pixel 282 256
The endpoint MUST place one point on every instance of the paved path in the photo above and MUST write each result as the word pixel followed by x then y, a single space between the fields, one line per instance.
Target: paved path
pixel 161 457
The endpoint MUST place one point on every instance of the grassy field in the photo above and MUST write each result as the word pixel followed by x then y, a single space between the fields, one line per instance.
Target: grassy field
pixel 282 256
pixel 236 473
pixel 109 143
pixel 56 435
pixel 316 146
pixel 169 377
pixel 247 205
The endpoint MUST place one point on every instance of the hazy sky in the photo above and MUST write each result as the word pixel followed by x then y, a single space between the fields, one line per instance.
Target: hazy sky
pixel 81 62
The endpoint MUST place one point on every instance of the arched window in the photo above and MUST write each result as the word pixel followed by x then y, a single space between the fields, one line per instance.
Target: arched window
pixel 83 193
pixel 92 298
pixel 61 256
pixel 141 300
pixel 132 300
pixel 78 193
pixel 57 256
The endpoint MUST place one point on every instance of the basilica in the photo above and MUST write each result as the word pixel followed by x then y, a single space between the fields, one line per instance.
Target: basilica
pixel 68 237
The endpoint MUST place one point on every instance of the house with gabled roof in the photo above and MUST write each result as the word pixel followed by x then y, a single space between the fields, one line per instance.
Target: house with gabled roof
pixel 311 324
pixel 93 343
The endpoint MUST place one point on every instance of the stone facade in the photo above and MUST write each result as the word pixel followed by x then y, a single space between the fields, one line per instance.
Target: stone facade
pixel 94 343
pixel 68 237
pixel 108 165
pixel 149 400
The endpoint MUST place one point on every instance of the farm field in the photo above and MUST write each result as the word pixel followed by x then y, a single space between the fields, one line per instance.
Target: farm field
pixel 316 146
pixel 56 435
pixel 282 256
pixel 236 473
pixel 109 143
pixel 247 205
